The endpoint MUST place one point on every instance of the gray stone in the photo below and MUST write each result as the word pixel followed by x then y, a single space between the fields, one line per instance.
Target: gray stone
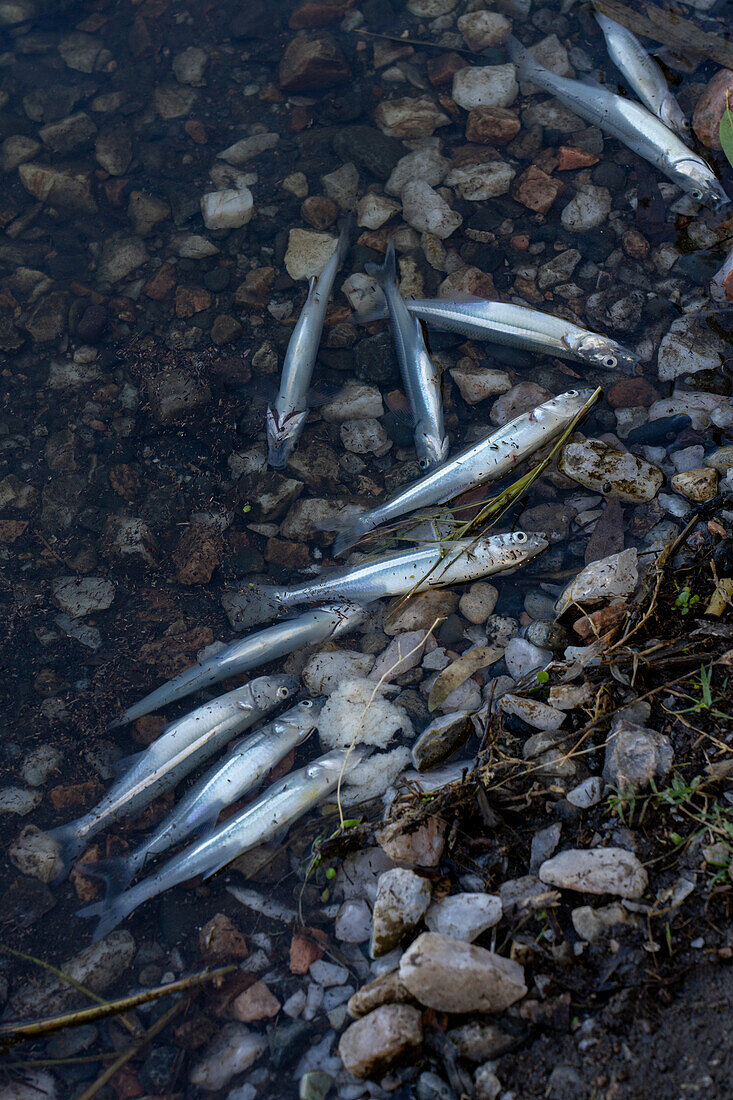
pixel 596 871
pixel 464 916
pixel 452 976
pixel 391 1033
pixel 636 757
pixel 544 844
pixel 79 596
pixel 402 899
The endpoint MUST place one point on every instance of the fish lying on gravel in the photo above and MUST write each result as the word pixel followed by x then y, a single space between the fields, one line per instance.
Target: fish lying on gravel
pixel 420 376
pixel 278 807
pixel 489 459
pixel 429 565
pixel 181 747
pixel 318 624
pixel 240 771
pixel 643 74
pixel 286 420
pixel 510 325
pixel 630 123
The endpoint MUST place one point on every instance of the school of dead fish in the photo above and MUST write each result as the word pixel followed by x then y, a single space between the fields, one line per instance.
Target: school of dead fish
pixel 656 130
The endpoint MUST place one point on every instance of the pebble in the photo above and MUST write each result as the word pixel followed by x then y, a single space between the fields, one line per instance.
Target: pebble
pixel 373 211
pixel 710 107
pixel 19 800
pixel 313 62
pixel 486 1084
pixel 356 401
pixel 427 211
pixel 401 902
pixel 688 347
pixel 521 657
pixel 97 967
pixel 389 1034
pixel 420 847
pixel 596 871
pixel 72 191
pixel 532 711
pixel 519 399
pixel 636 757
pixel 442 738
pixel 412 117
pixel 234 1050
pixel 229 209
pixel 328 973
pixel 452 976
pixel 696 485
pixel 604 469
pixel 353 923
pixel 314 1085
pixel 402 654
pixel 39 764
pixel 588 209
pixel 478 603
pixel 34 1083
pixel 79 596
pixel 488 86
pixel 308 253
pixel 256 1003
pixel 590 924
pixel 365 436
pixel 425 165
pixel 586 794
pixel 242 152
pixel 483 28
pixel 464 916
pixel 478 182
pixel 543 845
pixel 617 575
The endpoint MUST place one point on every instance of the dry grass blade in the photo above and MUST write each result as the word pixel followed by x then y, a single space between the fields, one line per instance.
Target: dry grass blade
pixel 36 1029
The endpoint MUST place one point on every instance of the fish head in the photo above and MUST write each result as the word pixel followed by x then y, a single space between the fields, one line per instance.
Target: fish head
pixel 346 615
pixel 602 352
pixel 431 451
pixel 283 433
pixel 526 543
pixel 304 717
pixel 699 180
pixel 565 405
pixel 672 116
pixel 267 692
pixel 332 764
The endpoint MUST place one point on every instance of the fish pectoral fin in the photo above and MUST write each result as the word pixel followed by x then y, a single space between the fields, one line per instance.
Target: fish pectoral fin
pixel 121 767
pixel 208 821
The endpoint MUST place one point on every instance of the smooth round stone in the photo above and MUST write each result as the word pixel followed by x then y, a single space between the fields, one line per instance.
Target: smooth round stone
pixel 664 430
pixel 546 634
pixel 521 657
pixel 314 1085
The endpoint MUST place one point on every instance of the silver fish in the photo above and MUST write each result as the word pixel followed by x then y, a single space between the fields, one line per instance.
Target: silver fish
pixel 642 73
pixel 181 747
pixel 285 422
pixel 420 376
pixel 429 565
pixel 278 807
pixel 316 625
pixel 513 326
pixel 491 458
pixel 631 123
pixel 239 772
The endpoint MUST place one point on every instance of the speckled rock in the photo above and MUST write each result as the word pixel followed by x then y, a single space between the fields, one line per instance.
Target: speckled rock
pixel 488 86
pixel 604 469
pixel 596 871
pixel 402 899
pixel 452 976
pixel 389 1034
pixel 696 485
pixel 616 575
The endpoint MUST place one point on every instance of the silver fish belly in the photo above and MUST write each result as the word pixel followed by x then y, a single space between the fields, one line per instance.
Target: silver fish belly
pixel 429 565
pixel 286 420
pixel 181 747
pixel 420 376
pixel 277 808
pixel 642 73
pixel 489 459
pixel 632 124
pixel 242 769
pixel 316 625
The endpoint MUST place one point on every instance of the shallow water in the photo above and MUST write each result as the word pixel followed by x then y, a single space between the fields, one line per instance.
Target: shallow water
pixel 136 345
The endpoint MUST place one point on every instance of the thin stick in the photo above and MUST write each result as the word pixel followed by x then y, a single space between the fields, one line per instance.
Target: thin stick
pixel 15 1033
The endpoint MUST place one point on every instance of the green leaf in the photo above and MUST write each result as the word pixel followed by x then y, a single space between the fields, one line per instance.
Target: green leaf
pixel 726 130
pixel 543 676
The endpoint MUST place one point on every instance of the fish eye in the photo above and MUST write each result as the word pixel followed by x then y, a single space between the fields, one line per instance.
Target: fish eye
pixel 572 393
pixel 307 703
pixel 610 361
pixel 697 194
pixel 282 693
pixel 521 537
pixel 423 463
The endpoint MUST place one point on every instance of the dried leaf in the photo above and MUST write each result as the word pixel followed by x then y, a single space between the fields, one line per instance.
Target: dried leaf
pixel 457 673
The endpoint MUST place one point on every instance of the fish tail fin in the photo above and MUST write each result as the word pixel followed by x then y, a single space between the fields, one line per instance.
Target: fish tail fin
pixel 70 846
pixel 529 68
pixel 110 914
pixel 116 874
pixel 370 309
pixel 350 531
pixel 386 273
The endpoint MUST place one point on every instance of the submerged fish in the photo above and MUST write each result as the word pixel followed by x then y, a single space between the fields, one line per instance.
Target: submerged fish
pixel 316 625
pixel 489 459
pixel 181 747
pixel 512 326
pixel 240 771
pixel 643 74
pixel 420 376
pixel 286 420
pixel 429 565
pixel 278 807
pixel 631 123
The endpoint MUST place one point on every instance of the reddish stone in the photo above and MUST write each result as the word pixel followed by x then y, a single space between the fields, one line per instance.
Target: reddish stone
pixel 527 288
pixel 289 555
pixel 318 13
pixel 728 286
pixel 711 107
pixel 197 555
pixel 255 290
pixel 569 158
pixel 630 393
pixel 87 889
pixel 220 941
pixel 256 1003
pixel 305 949
pixel 124 480
pixel 319 211
pixel 126 1084
pixel 635 244
pixel 492 125
pixel 231 986
pixel 174 652
pixel 67 795
pixel 191 300
pixel 270 93
pixel 11 529
pixel 300 119
pixel 115 191
pixel 536 190
pixel 196 131
pixel 147 729
pixel 520 243
pixel 443 68
pixel 161 284
pixel 600 623
pixel 312 62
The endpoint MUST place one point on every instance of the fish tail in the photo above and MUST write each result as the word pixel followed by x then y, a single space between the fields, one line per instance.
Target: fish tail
pixel 70 846
pixel 116 874
pixel 386 273
pixel 350 531
pixel 529 68
pixel 110 913
pixel 370 310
